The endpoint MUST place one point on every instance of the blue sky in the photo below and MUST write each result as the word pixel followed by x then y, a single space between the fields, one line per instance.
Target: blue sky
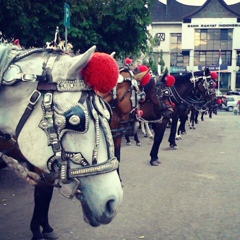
pixel 200 2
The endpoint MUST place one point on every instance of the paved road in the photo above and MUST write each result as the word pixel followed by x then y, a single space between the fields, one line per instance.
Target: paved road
pixel 193 194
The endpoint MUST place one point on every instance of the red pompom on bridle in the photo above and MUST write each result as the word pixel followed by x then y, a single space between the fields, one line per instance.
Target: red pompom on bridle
pixel 214 75
pixel 128 61
pixel 101 72
pixel 170 80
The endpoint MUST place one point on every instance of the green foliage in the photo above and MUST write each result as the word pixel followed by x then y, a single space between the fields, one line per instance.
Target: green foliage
pixel 111 25
pixel 161 62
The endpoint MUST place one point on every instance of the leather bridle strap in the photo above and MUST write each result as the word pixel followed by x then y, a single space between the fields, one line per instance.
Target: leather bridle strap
pixel 33 99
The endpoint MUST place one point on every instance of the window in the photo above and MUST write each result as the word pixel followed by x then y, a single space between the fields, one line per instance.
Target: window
pixel 177 58
pixel 208 42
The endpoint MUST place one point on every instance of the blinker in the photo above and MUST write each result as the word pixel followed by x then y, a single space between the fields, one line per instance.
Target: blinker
pixel 75 119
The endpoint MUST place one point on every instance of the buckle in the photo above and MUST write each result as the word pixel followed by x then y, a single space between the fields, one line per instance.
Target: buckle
pixel 48 99
pixel 29 77
pixel 34 97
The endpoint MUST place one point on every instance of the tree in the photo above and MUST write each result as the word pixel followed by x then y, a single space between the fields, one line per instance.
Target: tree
pixel 111 25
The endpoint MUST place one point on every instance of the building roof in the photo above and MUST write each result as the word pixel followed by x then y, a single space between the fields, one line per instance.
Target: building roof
pixel 174 11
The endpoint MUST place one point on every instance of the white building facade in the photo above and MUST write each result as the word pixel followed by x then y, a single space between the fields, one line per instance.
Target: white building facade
pixel 193 38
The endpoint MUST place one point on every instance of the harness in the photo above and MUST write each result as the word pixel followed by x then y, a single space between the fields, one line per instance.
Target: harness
pixel 56 123
pixel 136 96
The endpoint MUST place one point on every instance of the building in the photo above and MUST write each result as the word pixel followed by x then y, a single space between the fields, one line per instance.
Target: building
pixel 192 38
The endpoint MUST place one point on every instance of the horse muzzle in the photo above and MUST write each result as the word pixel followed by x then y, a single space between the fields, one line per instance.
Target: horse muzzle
pixel 168 113
pixel 89 217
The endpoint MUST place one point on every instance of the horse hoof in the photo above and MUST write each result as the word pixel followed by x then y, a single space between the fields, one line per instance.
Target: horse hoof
pixel 174 147
pixel 145 135
pixel 151 137
pixel 154 163
pixel 138 144
pixel 38 238
pixel 129 143
pixel 51 235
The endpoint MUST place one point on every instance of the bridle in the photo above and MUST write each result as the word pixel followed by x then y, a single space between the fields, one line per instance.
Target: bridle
pixel 202 86
pixel 129 118
pixel 162 94
pixel 56 124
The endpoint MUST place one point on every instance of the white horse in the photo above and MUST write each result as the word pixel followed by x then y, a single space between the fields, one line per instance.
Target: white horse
pixel 61 125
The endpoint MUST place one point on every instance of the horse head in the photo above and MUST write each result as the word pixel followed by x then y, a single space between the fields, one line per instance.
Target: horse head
pixel 204 82
pixel 49 101
pixel 157 91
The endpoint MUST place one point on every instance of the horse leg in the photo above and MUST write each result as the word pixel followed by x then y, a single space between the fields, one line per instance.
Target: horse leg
pixel 149 132
pixel 196 117
pixel 159 129
pixel 192 115
pixel 173 131
pixel 117 151
pixel 178 132
pixel 143 129
pixel 127 137
pixel 42 199
pixel 136 139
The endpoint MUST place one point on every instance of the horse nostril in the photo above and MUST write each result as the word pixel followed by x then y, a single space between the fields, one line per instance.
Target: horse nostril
pixel 111 207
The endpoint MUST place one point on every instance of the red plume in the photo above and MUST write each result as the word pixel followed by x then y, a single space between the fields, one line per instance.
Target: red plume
pixel 101 73
pixel 16 42
pixel 170 80
pixel 145 80
pixel 128 61
pixel 214 75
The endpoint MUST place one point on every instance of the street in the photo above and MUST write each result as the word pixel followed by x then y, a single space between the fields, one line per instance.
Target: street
pixel 193 194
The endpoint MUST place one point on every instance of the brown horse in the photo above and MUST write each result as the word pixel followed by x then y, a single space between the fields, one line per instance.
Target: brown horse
pixel 157 107
pixel 124 101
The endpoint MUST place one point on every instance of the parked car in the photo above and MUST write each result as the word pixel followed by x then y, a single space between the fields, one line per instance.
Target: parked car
pixel 231 102
pixel 233 92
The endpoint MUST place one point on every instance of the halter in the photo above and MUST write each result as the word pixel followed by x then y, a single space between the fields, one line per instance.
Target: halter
pixel 56 123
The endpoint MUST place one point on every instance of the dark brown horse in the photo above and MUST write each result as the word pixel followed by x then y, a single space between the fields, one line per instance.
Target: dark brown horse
pixel 157 107
pixel 187 88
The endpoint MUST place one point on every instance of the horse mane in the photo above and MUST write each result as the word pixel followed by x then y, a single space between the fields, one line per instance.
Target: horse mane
pixel 182 78
pixel 5 49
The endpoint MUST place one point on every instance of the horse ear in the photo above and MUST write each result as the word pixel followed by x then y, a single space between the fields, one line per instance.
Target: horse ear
pixel 207 72
pixel 113 54
pixel 79 62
